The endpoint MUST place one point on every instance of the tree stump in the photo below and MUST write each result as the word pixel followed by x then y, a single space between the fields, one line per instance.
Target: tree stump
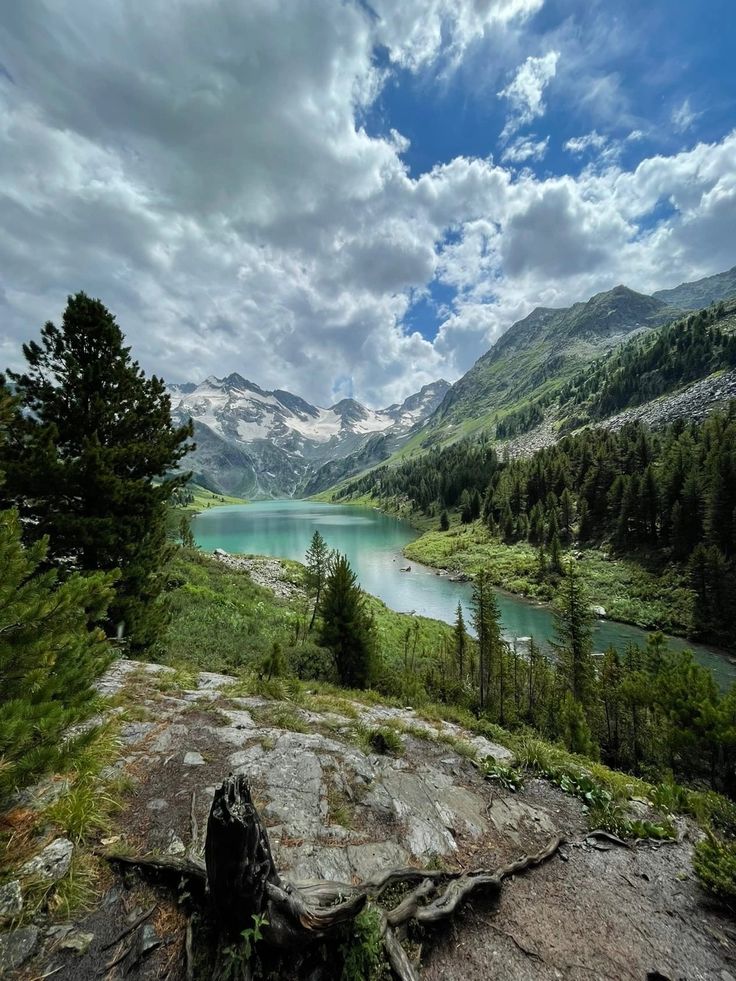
pixel 242 883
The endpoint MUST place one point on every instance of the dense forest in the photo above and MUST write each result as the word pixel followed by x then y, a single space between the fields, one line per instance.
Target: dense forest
pixel 671 494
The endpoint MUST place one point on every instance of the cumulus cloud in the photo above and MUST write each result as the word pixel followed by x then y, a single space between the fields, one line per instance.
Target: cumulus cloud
pixel 578 145
pixel 220 193
pixel 525 91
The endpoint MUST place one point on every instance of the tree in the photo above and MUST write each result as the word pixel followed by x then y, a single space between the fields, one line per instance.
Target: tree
pixel 346 626
pixel 317 561
pixel 89 461
pixel 185 532
pixel 574 637
pixel 461 641
pixel 50 653
pixel 487 623
pixel 444 522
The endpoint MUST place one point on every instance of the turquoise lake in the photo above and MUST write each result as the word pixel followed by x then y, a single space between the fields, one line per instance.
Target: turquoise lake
pixel 373 542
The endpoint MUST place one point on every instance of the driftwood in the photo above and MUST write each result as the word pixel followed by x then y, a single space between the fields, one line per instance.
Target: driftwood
pixel 242 883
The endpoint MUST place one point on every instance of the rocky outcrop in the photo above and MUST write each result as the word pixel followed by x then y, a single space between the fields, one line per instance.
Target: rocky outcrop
pixel 336 809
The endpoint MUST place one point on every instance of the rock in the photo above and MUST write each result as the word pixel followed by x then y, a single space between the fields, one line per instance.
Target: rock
pixel 157 804
pixel 16 947
pixel 598 611
pixel 52 863
pixel 77 941
pixel 176 845
pixel 193 759
pixel 221 553
pixel 149 940
pixel 11 901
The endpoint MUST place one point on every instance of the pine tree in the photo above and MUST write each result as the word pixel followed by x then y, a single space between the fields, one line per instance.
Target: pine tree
pixel 461 641
pixel 317 561
pixel 346 626
pixel 185 532
pixel 444 522
pixel 491 648
pixel 574 637
pixel 89 462
pixel 50 653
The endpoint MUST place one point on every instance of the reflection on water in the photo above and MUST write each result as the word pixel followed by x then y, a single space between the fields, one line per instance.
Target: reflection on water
pixel 373 542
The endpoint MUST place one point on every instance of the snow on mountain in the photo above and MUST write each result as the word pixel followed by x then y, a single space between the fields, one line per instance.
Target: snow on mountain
pixel 284 438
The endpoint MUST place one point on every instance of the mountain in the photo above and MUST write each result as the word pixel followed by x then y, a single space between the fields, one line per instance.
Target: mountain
pixel 694 296
pixel 259 443
pixel 547 346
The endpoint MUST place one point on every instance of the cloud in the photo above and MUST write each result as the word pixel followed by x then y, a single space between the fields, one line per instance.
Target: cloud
pixel 221 194
pixel 526 90
pixel 525 148
pixel 683 116
pixel 578 145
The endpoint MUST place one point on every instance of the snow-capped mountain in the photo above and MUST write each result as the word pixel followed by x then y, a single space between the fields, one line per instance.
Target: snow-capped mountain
pixel 258 443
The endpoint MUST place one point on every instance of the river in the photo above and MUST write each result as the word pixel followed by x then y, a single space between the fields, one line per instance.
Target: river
pixel 373 542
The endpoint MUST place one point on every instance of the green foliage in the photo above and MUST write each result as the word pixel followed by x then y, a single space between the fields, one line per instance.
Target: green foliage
pixel 89 461
pixel 363 953
pixel 507 776
pixel 384 740
pixel 50 654
pixel 715 865
pixel 346 626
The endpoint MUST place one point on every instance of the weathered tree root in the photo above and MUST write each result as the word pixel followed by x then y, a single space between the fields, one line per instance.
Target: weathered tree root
pixel 242 882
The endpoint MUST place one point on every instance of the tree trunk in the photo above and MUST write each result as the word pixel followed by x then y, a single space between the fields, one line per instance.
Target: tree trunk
pixel 243 884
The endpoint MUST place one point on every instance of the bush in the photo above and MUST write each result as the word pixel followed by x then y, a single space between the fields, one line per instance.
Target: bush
pixel 715 866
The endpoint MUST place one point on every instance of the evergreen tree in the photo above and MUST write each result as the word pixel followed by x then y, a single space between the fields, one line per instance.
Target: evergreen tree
pixel 89 462
pixel 574 637
pixel 444 521
pixel 50 653
pixel 185 532
pixel 491 648
pixel 461 642
pixel 317 561
pixel 346 627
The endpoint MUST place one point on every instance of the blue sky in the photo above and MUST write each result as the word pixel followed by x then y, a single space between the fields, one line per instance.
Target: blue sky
pixel 670 80
pixel 355 197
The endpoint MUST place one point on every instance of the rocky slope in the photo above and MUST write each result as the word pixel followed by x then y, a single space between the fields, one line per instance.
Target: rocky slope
pixel 257 443
pixel 336 809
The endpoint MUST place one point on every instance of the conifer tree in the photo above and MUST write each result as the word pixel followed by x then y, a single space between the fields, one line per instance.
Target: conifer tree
pixel 89 462
pixel 487 623
pixel 346 627
pixel 317 561
pixel 574 637
pixel 444 521
pixel 50 653
pixel 461 642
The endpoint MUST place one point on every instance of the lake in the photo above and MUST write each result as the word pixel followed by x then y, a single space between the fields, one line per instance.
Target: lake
pixel 373 542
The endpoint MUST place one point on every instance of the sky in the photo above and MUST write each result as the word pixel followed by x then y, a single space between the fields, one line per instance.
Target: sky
pixel 353 198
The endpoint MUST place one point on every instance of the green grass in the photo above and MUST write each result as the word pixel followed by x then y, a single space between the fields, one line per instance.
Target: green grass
pixel 629 591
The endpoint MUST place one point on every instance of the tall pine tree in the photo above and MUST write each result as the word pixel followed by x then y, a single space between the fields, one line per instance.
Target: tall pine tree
pixel 89 461
pixel 346 626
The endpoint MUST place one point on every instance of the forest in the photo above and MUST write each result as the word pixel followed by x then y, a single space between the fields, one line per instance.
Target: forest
pixel 668 495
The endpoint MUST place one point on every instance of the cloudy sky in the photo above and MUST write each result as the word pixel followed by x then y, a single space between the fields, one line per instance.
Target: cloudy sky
pixel 355 197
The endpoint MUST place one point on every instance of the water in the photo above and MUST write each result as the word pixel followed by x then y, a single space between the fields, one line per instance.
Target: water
pixel 373 542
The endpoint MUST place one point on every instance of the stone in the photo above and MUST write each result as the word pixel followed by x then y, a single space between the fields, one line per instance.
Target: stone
pixel 150 940
pixel 52 863
pixel 598 611
pixel 193 759
pixel 157 804
pixel 11 901
pixel 16 947
pixel 77 941
pixel 176 845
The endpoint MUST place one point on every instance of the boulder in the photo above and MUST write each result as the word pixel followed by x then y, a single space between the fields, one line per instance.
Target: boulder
pixel 16 947
pixel 11 901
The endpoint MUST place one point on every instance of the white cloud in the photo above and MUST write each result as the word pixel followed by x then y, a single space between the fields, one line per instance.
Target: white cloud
pixel 582 144
pixel 683 116
pixel 219 193
pixel 525 91
pixel 525 148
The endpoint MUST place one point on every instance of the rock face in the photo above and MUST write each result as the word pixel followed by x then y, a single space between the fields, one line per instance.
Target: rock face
pixel 335 809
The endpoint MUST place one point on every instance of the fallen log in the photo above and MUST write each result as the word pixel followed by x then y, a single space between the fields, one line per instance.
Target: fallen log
pixel 243 889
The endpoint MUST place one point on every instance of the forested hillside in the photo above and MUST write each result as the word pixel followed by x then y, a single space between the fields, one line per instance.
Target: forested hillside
pixel 670 493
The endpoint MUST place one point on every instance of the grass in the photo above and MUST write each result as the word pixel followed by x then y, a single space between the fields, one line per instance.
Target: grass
pixel 648 596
